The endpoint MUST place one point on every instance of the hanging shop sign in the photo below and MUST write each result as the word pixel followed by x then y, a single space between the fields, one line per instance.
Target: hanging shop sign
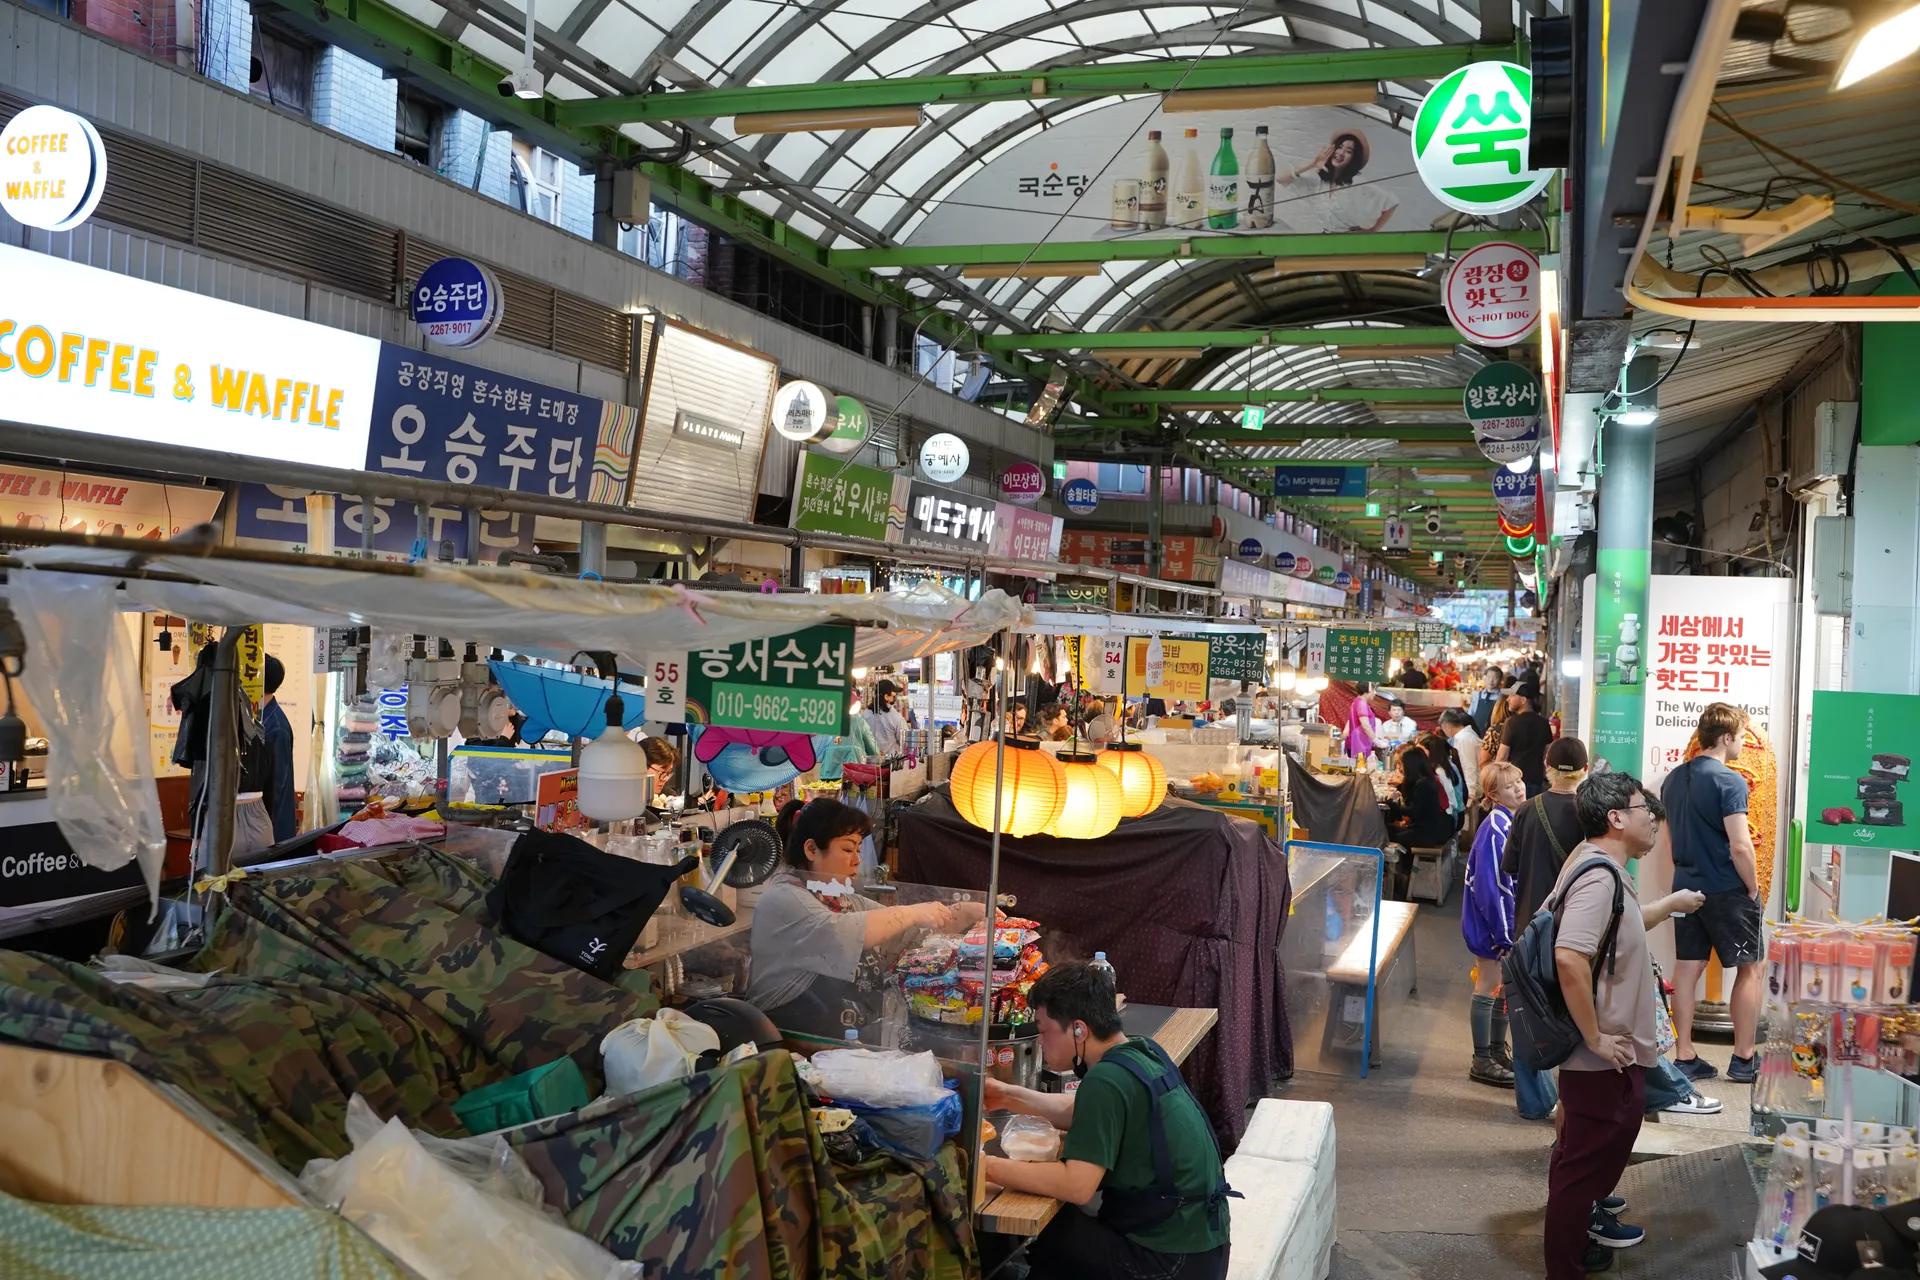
pixel 1283 561
pixel 457 303
pixel 1183 557
pixel 796 683
pixel 53 168
pixel 1432 633
pixel 832 495
pixel 439 419
pixel 273 516
pixel 101 353
pixel 1502 402
pixel 803 412
pixel 1184 668
pixel 949 519
pixel 35 498
pixel 1325 575
pixel 1081 497
pixel 1023 483
pixel 1356 655
pixel 716 382
pixel 703 430
pixel 853 426
pixel 1250 549
pixel 1236 655
pixel 1515 493
pixel 1343 580
pixel 1020 534
pixel 39 868
pixel 1353 585
pixel 1492 293
pixel 1319 482
pixel 1471 139
pixel 944 458
pixel 1396 538
pixel 1097 662
pixel 1302 567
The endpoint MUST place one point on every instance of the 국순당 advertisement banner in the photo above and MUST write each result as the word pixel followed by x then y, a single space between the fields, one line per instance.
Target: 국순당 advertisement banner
pixel 1132 169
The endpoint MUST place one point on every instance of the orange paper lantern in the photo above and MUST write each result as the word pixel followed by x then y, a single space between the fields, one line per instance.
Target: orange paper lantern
pixel 1033 789
pixel 1143 779
pixel 1093 798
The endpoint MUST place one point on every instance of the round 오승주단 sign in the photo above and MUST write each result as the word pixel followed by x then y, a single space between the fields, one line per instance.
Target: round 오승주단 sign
pixel 1470 139
pixel 456 302
pixel 1502 403
pixel 53 168
pixel 1492 292
pixel 944 458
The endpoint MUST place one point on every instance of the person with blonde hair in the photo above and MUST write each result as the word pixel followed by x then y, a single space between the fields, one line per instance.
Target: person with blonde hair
pixel 1487 921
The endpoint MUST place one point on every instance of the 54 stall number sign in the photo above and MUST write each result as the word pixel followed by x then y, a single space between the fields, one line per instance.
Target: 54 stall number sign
pixel 795 683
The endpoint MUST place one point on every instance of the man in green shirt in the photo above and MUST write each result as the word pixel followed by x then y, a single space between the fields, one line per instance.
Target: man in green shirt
pixel 1135 1134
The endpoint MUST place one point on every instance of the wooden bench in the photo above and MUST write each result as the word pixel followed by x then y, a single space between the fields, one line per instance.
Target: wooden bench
pixel 1395 977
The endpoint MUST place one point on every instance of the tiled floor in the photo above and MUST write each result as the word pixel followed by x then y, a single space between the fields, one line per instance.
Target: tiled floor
pixel 1439 1179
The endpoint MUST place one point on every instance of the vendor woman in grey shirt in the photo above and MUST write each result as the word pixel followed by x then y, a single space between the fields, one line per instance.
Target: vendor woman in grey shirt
pixel 821 952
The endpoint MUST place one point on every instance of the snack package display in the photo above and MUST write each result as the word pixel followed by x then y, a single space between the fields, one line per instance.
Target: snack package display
pixel 944 979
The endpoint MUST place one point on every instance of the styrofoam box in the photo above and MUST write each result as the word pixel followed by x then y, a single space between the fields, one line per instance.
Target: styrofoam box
pixel 1279 1231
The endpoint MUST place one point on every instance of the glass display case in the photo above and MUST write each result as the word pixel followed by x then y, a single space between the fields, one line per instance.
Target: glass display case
pixel 1349 965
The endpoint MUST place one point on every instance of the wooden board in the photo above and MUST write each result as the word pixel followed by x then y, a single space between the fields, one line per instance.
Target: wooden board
pixel 1018 1213
pixel 77 1130
pixel 1396 918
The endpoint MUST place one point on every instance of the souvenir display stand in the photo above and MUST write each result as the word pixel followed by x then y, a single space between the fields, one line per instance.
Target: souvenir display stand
pixel 1836 1091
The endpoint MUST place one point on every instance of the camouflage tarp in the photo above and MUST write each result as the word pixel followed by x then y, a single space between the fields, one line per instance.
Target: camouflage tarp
pixel 383 977
pixel 727 1168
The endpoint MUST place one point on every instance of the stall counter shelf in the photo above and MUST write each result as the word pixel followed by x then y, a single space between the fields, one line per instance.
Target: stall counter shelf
pixel 1179 1032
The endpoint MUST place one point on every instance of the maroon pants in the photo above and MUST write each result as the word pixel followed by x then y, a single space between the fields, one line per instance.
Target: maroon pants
pixel 1600 1117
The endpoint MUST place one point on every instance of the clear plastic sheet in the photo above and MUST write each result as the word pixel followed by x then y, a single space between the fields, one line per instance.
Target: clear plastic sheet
pixel 83 678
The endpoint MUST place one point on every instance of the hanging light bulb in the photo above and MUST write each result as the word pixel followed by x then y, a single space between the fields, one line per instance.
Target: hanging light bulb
pixel 613 767
pixel 1143 779
pixel 1033 787
pixel 1289 677
pixel 1092 807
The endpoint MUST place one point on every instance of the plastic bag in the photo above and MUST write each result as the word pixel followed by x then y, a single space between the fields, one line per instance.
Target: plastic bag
pixel 132 971
pixel 658 1050
pixel 452 1211
pixel 880 1078
pixel 914 1131
pixel 1029 1138
pixel 82 676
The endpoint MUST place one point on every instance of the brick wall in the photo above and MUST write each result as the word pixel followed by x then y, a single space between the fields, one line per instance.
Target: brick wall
pixel 226 41
pixel 472 153
pixel 352 96
pixel 576 209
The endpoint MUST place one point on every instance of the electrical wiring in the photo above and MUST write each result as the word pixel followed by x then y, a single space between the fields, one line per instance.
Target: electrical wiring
pixel 1832 179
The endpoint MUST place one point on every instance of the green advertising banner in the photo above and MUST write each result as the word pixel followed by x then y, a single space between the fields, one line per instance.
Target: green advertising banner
pixel 1356 655
pixel 1433 632
pixel 796 683
pixel 1236 655
pixel 833 495
pixel 1858 766
pixel 1617 666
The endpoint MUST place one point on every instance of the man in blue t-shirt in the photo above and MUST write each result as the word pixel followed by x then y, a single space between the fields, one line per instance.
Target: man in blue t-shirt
pixel 1713 852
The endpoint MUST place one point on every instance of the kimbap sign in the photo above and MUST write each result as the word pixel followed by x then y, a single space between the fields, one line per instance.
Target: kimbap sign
pixel 53 169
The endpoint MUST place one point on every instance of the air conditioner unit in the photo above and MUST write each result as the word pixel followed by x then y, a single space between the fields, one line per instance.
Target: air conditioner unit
pixel 632 198
pixel 1835 424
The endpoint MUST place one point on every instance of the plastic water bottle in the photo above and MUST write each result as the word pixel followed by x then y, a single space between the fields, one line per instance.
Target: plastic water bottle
pixel 1100 965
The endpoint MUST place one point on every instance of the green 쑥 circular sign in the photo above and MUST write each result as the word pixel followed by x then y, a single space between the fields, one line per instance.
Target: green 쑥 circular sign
pixel 1325 573
pixel 1471 136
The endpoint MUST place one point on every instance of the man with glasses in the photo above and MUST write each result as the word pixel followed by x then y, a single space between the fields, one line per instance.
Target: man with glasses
pixel 1606 979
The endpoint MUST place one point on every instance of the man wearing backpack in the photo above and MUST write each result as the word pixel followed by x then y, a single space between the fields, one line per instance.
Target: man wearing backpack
pixel 1713 852
pixel 1606 983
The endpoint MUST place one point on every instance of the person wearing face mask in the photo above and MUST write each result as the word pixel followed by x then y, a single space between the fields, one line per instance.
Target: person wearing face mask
pixel 1135 1134
pixel 884 718
pixel 821 952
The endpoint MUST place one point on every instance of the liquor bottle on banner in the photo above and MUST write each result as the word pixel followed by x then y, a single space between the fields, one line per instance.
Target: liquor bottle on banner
pixel 1260 181
pixel 1189 189
pixel 1223 186
pixel 1153 187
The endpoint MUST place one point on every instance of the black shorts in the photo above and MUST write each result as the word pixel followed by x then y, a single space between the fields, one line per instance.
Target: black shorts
pixel 1728 925
pixel 1076 1246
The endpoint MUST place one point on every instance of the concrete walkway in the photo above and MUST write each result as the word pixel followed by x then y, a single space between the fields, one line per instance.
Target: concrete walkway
pixel 1438 1177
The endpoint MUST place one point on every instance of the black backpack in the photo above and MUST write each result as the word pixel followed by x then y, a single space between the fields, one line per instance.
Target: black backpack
pixel 1544 1034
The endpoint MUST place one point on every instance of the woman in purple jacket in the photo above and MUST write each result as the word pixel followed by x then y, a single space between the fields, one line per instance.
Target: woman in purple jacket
pixel 1487 921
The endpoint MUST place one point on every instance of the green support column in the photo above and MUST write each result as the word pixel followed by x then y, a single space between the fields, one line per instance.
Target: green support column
pixel 1618 666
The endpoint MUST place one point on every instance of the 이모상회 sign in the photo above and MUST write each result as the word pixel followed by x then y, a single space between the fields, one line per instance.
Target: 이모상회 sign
pixel 795 683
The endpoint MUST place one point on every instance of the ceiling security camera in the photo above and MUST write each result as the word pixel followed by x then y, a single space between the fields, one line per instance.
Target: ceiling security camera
pixel 1433 522
pixel 527 82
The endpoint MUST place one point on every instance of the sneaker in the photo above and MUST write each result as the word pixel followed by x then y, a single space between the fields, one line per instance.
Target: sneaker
pixel 1695 1104
pixel 1606 1229
pixel 1695 1068
pixel 1743 1070
pixel 1487 1071
pixel 1614 1204
pixel 1502 1055
pixel 1596 1259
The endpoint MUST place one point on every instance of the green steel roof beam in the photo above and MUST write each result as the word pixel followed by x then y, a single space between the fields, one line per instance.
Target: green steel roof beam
pixel 1287 395
pixel 1150 341
pixel 1391 460
pixel 1281 432
pixel 1097 80
pixel 1342 244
